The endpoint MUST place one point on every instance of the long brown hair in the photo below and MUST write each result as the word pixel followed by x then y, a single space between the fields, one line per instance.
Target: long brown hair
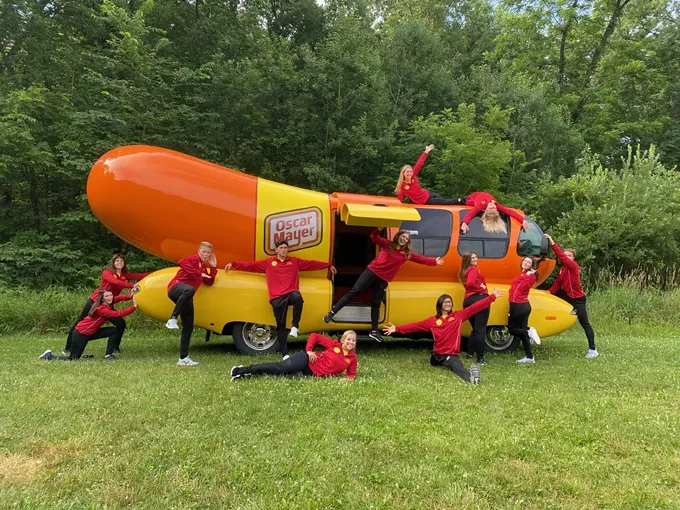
pixel 112 267
pixel 394 245
pixel 465 265
pixel 98 301
pixel 400 180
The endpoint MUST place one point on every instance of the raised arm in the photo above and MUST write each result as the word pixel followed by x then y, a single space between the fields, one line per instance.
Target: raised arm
pixel 380 241
pixel 568 263
pixel 480 305
pixel 419 163
pixel 212 276
pixel 317 339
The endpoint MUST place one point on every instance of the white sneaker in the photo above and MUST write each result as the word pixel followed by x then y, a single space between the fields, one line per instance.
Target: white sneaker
pixel 293 332
pixel 533 334
pixel 286 357
pixel 526 360
pixel 475 374
pixel 186 362
pixel 172 323
pixel 234 373
pixel 46 355
pixel 592 353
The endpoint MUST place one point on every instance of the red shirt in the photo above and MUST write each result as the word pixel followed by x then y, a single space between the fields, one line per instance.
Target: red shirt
pixel 334 360
pixel 387 263
pixel 117 282
pixel 479 200
pixel 190 270
pixel 412 189
pixel 446 329
pixel 520 287
pixel 569 277
pixel 475 283
pixel 283 276
pixel 90 325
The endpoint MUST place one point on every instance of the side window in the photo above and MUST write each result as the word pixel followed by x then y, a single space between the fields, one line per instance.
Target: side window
pixel 431 236
pixel 532 243
pixel 485 244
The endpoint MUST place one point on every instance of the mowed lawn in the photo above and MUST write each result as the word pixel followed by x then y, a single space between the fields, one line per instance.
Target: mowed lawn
pixel 142 433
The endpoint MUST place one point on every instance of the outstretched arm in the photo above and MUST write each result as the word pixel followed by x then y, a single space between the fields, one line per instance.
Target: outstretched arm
pixel 313 265
pixel 477 307
pixel 259 266
pixel 380 241
pixel 470 215
pixel 421 160
pixel 426 261
pixel 411 327
pixel 510 212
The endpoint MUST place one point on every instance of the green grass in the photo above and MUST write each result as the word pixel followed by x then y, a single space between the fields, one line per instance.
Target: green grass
pixel 142 433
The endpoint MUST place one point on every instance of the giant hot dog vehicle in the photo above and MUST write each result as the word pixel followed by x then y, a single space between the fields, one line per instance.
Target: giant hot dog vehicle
pixel 165 203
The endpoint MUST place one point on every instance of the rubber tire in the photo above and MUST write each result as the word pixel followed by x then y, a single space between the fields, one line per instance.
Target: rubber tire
pixel 499 340
pixel 242 335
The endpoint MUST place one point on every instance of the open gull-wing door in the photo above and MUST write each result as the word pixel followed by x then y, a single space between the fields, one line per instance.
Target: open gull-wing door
pixel 368 211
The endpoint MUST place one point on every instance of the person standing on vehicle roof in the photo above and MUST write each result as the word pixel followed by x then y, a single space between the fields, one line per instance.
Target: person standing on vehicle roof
pixel 283 282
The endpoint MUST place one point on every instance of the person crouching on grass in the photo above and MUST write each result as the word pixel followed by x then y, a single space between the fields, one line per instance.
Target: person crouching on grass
pixel 90 328
pixel 445 329
pixel 193 270
pixel 283 283
pixel 336 358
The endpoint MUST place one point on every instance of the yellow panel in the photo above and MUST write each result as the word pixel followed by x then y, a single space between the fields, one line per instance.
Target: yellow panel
pixel 365 215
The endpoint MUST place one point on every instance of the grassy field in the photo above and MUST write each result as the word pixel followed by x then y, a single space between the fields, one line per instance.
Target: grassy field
pixel 142 433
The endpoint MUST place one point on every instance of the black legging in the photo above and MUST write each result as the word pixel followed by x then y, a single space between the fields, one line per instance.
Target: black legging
pixel 452 362
pixel 518 325
pixel 367 279
pixel 80 341
pixel 183 296
pixel 435 199
pixel 477 341
pixel 280 306
pixel 297 364
pixel 118 322
pixel 579 305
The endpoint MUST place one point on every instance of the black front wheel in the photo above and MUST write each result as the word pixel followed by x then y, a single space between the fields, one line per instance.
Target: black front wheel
pixel 251 338
pixel 499 339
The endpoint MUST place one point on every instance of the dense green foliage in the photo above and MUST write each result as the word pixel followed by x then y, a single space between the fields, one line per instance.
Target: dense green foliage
pixel 538 101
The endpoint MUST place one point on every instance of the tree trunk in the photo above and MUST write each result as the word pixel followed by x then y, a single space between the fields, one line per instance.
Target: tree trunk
pixel 563 43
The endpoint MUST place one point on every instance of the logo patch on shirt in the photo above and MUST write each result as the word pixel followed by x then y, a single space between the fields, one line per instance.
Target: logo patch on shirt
pixel 450 319
pixel 439 322
pixel 336 350
pixel 301 228
pixel 407 187
pixel 274 263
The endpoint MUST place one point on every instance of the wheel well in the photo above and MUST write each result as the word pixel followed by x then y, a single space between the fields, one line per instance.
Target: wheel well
pixel 228 329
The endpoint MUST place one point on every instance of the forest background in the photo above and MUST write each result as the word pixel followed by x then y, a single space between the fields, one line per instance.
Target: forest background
pixel 567 109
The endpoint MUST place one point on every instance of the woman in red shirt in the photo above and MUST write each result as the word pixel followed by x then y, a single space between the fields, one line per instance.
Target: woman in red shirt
pixel 90 327
pixel 485 203
pixel 520 309
pixel 475 290
pixel 445 328
pixel 408 185
pixel 379 272
pixel 115 278
pixel 336 358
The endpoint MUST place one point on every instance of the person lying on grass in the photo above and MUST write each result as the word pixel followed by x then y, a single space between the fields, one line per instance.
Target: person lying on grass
pixel 337 358
pixel 445 328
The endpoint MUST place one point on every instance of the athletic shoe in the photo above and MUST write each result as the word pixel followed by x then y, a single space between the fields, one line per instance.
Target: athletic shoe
pixel 592 353
pixel 46 355
pixel 375 335
pixel 526 360
pixel 329 316
pixel 172 323
pixel 235 373
pixel 109 357
pixel 475 374
pixel 66 352
pixel 285 357
pixel 533 335
pixel 293 332
pixel 481 361
pixel 186 362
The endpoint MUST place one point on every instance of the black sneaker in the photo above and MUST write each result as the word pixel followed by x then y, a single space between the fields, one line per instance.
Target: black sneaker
pixel 236 372
pixel 475 374
pixel 375 335
pixel 329 316
pixel 110 357
pixel 481 361
pixel 46 355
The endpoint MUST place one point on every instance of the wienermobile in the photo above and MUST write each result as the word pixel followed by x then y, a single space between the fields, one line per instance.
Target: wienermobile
pixel 165 202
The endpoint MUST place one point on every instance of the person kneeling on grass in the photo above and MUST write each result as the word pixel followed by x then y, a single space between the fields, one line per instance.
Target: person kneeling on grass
pixel 90 328
pixel 337 358
pixel 445 328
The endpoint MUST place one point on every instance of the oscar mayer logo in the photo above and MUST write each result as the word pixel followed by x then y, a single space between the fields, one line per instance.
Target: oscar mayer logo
pixel 301 228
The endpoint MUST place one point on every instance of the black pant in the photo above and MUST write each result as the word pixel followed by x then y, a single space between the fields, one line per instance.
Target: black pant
pixel 113 333
pixel 118 322
pixel 579 305
pixel 435 199
pixel 477 340
pixel 452 362
pixel 367 279
pixel 183 296
pixel 297 364
pixel 280 306
pixel 518 325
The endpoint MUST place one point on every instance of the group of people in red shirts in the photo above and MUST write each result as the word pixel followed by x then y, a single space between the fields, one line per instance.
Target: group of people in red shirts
pixel 282 275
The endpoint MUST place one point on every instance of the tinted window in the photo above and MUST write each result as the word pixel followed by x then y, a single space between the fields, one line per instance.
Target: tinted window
pixel 532 243
pixel 431 236
pixel 486 245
